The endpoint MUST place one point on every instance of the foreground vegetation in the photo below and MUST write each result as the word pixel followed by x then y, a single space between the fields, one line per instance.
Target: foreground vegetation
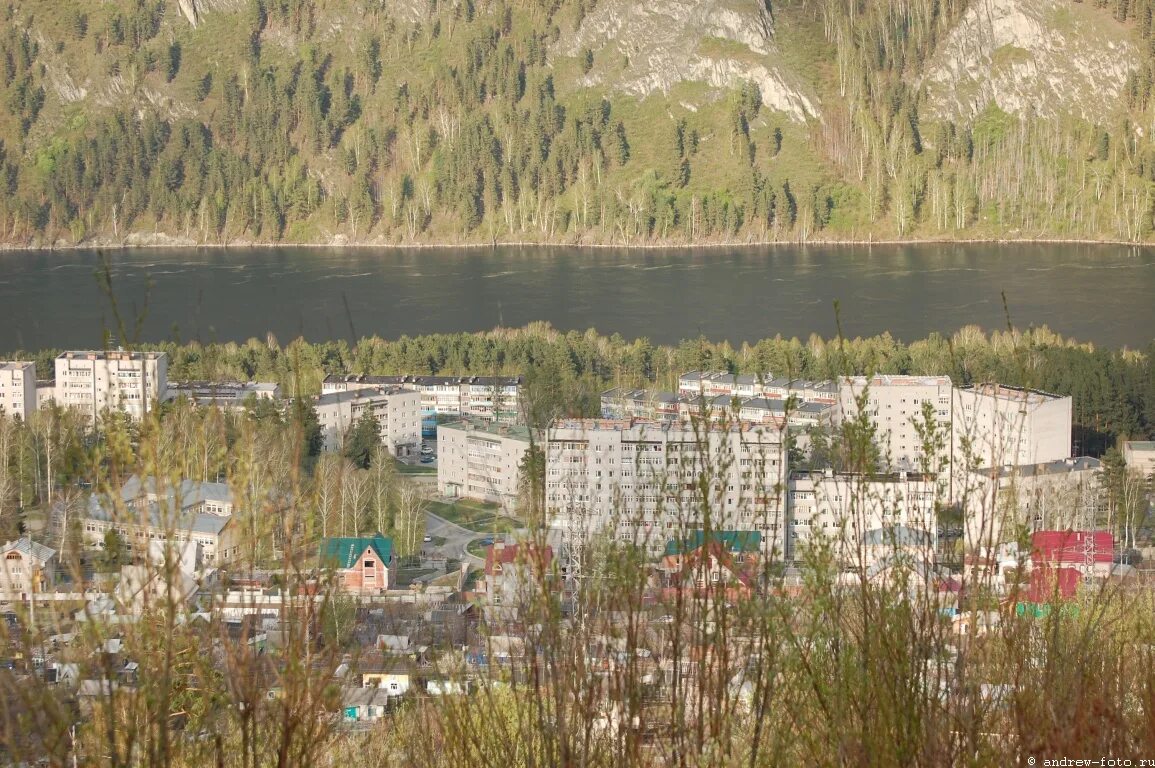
pixel 326 121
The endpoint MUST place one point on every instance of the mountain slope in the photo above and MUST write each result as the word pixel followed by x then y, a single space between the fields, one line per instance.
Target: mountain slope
pixel 616 121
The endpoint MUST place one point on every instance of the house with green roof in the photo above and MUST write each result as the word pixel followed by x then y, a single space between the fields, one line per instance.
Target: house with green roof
pixel 360 563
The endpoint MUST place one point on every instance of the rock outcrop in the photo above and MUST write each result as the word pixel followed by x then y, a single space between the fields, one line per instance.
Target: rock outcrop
pixel 644 48
pixel 1052 57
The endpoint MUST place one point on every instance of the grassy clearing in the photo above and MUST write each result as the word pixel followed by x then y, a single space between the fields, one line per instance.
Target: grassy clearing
pixel 475 516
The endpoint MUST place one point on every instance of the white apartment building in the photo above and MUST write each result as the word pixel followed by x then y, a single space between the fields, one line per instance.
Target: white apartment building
pixel 486 397
pixel 894 405
pixel 996 425
pixel 17 389
pixel 1052 496
pixel 227 395
pixel 840 509
pixel 397 410
pixel 116 380
pixel 481 460
pixel 642 481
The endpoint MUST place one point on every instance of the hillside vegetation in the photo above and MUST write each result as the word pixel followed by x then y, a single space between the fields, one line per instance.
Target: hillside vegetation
pixel 434 121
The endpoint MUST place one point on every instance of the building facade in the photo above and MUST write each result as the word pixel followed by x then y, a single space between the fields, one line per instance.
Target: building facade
pixel 26 568
pixel 646 482
pixel 92 382
pixel 1140 457
pixel 481 460
pixel 17 389
pixel 839 510
pixel 996 425
pixel 895 405
pixel 397 410
pixel 228 395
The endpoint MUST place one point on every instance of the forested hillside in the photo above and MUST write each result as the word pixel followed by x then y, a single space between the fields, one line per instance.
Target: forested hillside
pixel 444 121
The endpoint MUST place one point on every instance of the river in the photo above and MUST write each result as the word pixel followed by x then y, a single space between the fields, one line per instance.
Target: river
pixel 1099 293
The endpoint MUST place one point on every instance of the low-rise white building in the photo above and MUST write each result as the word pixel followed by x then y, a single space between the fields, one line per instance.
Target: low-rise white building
pixel 397 410
pixel 145 517
pixel 17 389
pixel 25 568
pixel 228 395
pixel 1051 496
pixel 1140 457
pixel 838 510
pixel 481 460
pixel 45 393
pixel 93 381
pixel 646 482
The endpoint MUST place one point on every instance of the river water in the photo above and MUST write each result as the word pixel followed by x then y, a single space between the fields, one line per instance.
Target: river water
pixel 1104 294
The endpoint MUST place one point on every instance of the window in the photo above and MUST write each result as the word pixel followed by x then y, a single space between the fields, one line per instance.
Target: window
pixel 370 563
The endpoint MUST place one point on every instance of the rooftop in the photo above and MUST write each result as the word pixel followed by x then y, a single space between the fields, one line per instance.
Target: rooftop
pixel 896 380
pixel 1143 446
pixel 1005 392
pixel 191 492
pixel 156 516
pixel 15 365
pixel 343 552
pixel 428 381
pixel 334 398
pixel 27 546
pixel 112 354
pixel 480 426
pixel 1059 466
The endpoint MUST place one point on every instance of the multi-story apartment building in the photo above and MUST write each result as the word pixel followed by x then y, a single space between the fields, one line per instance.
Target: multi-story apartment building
pixel 1054 495
pixel 996 425
pixel 486 397
pixel 894 405
pixel 17 389
pixel 148 516
pixel 841 509
pixel 646 482
pixel 481 460
pixel 227 395
pixel 397 410
pixel 92 382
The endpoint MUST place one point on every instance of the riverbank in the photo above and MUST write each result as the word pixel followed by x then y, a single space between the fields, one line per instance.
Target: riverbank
pixel 143 241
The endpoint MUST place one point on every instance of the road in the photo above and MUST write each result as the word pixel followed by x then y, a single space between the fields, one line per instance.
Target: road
pixel 455 537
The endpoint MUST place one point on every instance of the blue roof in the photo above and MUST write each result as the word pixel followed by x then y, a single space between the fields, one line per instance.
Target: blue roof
pixel 344 551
